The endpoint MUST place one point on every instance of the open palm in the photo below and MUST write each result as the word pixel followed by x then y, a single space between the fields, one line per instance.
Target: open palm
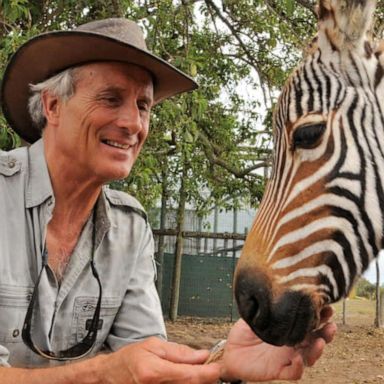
pixel 248 358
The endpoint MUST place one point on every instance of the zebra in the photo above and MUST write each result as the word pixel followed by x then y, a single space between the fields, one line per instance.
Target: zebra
pixel 321 219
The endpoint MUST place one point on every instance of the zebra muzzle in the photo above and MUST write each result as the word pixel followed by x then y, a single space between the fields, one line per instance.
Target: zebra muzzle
pixel 283 319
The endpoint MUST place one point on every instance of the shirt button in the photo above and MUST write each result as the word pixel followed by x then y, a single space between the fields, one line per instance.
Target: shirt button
pixel 15 333
pixel 11 163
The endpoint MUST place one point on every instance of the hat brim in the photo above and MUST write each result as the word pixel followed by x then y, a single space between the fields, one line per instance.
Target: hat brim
pixel 48 54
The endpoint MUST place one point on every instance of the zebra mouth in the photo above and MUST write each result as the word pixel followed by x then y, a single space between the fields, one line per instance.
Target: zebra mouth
pixel 292 318
pixel 301 318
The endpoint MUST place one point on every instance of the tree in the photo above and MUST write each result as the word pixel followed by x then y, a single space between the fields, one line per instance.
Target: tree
pixel 365 289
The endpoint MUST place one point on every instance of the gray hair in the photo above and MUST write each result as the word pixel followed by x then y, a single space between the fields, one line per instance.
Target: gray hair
pixel 61 85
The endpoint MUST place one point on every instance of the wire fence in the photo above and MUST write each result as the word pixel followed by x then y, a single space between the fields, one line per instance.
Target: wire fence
pixel 206 288
pixel 210 251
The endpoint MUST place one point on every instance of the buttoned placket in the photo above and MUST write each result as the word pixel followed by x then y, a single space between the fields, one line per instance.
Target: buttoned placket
pixel 81 256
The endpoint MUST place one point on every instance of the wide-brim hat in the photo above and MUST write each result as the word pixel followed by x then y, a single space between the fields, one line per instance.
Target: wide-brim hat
pixel 45 55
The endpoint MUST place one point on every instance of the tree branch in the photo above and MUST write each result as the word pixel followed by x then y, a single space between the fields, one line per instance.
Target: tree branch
pixel 215 160
pixel 310 5
pixel 243 46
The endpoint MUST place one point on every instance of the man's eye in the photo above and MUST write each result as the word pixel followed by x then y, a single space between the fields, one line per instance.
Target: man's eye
pixel 308 136
pixel 112 99
pixel 143 106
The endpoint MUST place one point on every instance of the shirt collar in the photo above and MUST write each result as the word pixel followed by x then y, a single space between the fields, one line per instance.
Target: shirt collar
pixel 39 187
pixel 103 222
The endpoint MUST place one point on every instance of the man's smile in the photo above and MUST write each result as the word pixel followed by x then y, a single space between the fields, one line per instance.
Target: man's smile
pixel 116 144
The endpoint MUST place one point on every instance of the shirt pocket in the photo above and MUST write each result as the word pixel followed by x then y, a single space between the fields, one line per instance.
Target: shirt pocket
pixel 14 301
pixel 84 309
pixel 9 166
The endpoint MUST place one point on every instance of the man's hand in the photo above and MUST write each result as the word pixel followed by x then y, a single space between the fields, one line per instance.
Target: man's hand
pixel 248 358
pixel 155 361
pixel 152 361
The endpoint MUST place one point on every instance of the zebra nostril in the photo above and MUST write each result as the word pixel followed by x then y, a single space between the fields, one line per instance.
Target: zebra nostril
pixel 255 308
pixel 253 300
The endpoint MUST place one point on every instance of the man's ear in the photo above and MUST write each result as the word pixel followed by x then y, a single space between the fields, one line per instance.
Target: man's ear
pixel 51 107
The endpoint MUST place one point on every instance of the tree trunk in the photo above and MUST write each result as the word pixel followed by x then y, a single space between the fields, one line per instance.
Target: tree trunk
pixel 178 250
pixel 234 245
pixel 215 226
pixel 378 319
pixel 344 311
pixel 161 242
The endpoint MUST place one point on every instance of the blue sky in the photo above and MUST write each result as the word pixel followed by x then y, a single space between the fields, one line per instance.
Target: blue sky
pixel 370 274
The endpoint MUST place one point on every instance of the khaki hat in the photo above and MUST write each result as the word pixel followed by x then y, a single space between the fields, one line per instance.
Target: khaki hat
pixel 45 55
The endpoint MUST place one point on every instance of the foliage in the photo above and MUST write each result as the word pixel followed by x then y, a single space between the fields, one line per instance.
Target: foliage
pixel 366 289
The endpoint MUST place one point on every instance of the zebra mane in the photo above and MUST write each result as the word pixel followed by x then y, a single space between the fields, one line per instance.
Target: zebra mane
pixel 344 25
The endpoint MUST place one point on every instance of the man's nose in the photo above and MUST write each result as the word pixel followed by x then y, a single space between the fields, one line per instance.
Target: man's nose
pixel 129 118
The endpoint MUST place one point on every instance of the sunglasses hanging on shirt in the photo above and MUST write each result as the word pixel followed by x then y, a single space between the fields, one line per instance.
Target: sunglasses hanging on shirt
pixel 84 347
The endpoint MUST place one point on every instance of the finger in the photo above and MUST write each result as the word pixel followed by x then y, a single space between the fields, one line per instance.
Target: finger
pixel 327 332
pixel 193 374
pixel 206 374
pixel 326 314
pixel 178 353
pixel 313 353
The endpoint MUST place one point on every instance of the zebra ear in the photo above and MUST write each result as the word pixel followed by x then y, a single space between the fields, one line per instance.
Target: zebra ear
pixel 346 23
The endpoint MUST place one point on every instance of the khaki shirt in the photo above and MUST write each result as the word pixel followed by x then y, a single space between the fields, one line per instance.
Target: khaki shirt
pixel 124 259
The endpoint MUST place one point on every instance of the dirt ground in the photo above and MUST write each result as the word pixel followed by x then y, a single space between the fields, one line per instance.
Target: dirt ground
pixel 355 357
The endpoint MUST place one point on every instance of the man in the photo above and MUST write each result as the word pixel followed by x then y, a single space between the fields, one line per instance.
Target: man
pixel 76 258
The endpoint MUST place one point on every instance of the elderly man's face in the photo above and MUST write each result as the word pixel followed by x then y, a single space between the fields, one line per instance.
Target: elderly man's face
pixel 103 126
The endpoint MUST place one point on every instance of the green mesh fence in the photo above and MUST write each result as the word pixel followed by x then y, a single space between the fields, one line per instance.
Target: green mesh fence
pixel 206 286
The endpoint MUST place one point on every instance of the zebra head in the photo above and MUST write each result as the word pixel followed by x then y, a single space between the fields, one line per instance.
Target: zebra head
pixel 320 222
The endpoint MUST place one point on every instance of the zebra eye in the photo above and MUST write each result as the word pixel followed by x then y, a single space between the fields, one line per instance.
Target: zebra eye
pixel 307 136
